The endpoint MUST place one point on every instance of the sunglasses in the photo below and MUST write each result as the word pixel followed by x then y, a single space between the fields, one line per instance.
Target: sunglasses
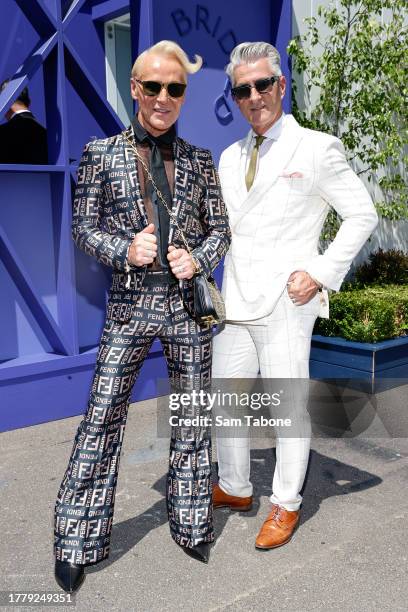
pixel 153 88
pixel 243 92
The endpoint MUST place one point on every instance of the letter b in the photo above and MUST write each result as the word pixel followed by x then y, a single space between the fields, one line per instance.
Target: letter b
pixel 179 17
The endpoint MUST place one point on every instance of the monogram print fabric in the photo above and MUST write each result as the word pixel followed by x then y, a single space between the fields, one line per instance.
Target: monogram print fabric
pixel 85 502
pixel 108 211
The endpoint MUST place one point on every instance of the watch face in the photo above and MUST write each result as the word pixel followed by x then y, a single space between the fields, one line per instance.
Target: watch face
pixel 197 267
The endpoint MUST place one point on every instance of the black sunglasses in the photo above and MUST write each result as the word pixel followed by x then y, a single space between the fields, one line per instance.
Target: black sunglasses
pixel 153 88
pixel 243 92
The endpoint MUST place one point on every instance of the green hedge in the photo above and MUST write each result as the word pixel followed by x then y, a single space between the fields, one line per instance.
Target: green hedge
pixel 383 268
pixel 370 314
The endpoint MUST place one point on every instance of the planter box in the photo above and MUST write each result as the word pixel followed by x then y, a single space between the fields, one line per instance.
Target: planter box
pixel 379 365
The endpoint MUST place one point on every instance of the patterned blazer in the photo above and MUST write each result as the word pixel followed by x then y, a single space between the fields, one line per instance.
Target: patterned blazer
pixel 108 211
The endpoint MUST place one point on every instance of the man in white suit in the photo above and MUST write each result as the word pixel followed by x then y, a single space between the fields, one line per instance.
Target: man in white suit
pixel 278 183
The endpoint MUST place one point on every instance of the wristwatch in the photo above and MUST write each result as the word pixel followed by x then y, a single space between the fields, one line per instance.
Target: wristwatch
pixel 319 284
pixel 126 263
pixel 197 266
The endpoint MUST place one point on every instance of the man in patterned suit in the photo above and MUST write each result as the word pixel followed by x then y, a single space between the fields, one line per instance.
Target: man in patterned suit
pixel 278 183
pixel 119 218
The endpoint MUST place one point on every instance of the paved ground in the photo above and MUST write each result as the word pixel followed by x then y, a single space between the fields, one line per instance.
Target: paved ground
pixel 350 552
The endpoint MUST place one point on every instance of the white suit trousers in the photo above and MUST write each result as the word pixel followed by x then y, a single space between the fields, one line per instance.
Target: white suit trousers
pixel 279 347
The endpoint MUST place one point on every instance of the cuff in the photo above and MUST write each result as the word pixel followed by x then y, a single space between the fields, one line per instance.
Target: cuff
pixel 201 262
pixel 125 265
pixel 321 270
pixel 318 283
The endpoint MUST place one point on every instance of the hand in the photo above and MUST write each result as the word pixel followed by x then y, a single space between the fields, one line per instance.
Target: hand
pixel 301 287
pixel 181 263
pixel 143 249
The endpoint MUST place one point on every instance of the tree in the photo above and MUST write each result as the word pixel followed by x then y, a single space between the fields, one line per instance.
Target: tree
pixel 356 88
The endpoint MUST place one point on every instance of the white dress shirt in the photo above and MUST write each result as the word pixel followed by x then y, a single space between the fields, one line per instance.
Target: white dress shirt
pixel 271 136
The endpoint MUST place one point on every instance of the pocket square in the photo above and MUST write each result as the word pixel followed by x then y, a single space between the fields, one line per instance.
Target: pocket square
pixel 291 175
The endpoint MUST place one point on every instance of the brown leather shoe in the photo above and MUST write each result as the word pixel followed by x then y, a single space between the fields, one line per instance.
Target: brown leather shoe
pixel 278 528
pixel 223 500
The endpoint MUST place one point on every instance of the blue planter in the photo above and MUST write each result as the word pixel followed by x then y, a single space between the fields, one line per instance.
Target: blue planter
pixel 380 365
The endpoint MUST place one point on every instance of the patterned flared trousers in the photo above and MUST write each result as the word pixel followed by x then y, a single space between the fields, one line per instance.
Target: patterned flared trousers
pixel 85 502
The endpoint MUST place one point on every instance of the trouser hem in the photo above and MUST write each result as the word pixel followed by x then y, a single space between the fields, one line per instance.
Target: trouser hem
pixel 243 492
pixel 290 506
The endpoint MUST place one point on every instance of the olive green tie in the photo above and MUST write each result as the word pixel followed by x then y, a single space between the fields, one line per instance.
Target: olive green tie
pixel 250 175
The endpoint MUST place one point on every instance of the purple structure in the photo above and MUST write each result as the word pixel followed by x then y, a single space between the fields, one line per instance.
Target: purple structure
pixel 52 295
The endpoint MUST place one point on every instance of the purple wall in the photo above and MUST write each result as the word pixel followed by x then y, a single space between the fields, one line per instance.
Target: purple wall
pixel 53 295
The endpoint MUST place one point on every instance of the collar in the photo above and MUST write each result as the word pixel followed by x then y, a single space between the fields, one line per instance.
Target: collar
pixel 142 135
pixel 274 131
pixel 19 112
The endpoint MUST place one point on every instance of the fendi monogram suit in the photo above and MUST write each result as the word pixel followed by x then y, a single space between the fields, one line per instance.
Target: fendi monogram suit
pixel 108 211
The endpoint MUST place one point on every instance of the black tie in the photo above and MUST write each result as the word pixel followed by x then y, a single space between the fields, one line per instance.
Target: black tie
pixel 160 178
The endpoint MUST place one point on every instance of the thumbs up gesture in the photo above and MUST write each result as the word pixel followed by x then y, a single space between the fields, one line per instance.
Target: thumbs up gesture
pixel 143 249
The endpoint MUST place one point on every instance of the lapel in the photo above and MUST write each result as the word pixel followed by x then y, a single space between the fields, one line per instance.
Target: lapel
pixel 284 149
pixel 242 167
pixel 182 165
pixel 135 195
pixel 235 167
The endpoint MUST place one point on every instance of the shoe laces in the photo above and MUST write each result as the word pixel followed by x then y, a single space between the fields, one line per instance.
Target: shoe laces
pixel 276 513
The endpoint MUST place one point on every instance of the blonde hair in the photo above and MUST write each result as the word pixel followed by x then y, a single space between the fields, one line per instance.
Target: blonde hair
pixel 169 47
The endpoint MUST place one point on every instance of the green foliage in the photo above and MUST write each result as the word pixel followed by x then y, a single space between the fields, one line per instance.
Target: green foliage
pixel 383 268
pixel 367 315
pixel 356 88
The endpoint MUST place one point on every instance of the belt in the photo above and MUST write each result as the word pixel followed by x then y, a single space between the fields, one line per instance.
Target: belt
pixel 153 279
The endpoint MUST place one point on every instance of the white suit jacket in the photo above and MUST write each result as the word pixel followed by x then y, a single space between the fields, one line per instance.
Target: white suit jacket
pixel 277 224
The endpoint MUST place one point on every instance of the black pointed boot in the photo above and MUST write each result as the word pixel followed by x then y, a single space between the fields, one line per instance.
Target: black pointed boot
pixel 69 575
pixel 201 552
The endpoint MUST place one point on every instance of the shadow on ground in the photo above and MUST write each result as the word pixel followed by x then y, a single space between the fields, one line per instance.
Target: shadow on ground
pixel 326 477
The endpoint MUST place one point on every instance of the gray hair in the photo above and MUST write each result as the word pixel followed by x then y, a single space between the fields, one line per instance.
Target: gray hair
pixel 251 52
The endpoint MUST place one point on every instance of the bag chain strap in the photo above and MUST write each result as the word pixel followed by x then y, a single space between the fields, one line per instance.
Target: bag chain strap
pixel 157 190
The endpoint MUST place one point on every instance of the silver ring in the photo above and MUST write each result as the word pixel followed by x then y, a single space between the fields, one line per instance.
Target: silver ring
pixel 181 268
